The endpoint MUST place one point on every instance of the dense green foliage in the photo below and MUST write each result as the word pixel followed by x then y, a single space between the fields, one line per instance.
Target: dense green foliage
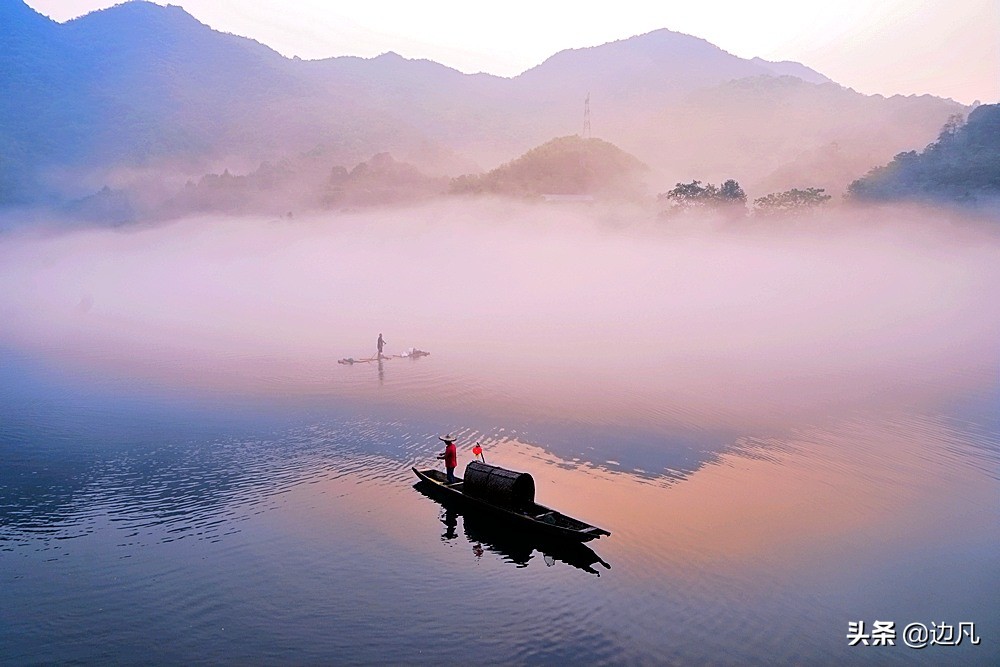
pixel 962 165
pixel 790 201
pixel 729 196
pixel 569 165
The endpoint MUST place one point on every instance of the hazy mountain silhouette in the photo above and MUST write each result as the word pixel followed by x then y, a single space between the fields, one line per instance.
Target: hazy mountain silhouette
pixel 563 166
pixel 139 84
pixel 791 68
pixel 656 66
pixel 775 133
pixel 140 91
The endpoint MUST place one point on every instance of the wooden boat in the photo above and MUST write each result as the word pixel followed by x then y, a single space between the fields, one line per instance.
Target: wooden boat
pixel 509 496
pixel 506 539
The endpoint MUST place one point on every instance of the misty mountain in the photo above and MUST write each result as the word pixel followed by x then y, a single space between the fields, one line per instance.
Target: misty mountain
pixel 790 68
pixel 139 85
pixel 570 165
pixel 280 189
pixel 647 70
pixel 776 133
pixel 629 81
pixel 141 94
pixel 962 166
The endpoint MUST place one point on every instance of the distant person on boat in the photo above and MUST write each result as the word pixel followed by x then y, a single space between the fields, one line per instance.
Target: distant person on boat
pixel 380 344
pixel 450 456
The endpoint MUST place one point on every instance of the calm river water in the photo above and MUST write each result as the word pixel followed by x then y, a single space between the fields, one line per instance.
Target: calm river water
pixel 786 431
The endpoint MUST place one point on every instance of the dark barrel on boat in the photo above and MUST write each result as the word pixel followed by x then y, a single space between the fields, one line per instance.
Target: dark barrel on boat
pixel 499 486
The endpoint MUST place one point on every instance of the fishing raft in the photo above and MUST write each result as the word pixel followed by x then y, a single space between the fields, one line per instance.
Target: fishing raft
pixel 412 353
pixel 510 496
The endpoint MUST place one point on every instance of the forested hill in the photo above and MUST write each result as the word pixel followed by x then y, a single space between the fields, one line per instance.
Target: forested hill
pixel 570 165
pixel 963 165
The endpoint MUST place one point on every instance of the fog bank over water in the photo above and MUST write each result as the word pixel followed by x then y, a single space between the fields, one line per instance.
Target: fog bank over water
pixel 535 309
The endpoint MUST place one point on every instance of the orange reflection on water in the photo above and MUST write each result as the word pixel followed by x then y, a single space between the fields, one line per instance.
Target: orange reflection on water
pixel 822 495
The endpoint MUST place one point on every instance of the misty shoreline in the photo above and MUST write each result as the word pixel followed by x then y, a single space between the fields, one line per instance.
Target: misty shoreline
pixel 618 216
pixel 957 172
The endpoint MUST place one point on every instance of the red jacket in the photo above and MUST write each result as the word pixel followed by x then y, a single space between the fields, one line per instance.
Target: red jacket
pixel 451 456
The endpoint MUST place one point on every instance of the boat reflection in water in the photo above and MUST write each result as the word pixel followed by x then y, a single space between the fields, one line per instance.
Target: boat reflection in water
pixel 513 546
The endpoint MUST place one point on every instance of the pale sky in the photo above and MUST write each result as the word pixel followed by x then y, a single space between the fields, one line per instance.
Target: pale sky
pixel 949 48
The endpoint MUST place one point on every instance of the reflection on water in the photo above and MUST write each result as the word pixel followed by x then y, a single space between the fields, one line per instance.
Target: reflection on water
pixel 784 431
pixel 449 518
pixel 513 546
pixel 279 525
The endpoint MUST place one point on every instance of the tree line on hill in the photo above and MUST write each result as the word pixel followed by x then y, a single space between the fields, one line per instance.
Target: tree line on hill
pixel 962 165
pixel 730 199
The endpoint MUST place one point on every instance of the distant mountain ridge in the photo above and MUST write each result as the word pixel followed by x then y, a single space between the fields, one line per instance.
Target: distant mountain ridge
pixel 144 89
pixel 639 65
pixel 791 68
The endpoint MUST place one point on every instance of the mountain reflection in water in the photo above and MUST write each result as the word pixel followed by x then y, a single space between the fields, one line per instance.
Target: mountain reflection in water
pixel 512 545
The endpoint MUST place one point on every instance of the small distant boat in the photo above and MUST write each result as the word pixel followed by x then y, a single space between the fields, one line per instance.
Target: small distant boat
pixel 510 496
pixel 412 353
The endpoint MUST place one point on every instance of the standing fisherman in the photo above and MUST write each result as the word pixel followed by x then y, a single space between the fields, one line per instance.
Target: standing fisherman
pixel 380 344
pixel 450 456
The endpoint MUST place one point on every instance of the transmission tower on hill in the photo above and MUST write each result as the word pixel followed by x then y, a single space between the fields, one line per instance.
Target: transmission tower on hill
pixel 586 117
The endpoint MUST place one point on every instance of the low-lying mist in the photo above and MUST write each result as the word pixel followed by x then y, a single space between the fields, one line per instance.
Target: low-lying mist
pixel 543 308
